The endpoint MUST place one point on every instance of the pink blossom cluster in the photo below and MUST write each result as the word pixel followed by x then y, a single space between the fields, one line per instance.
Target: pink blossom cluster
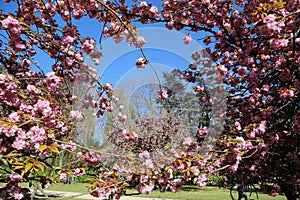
pixel 52 82
pixel 163 94
pixel 145 188
pixel 90 158
pixel 271 26
pixel 141 63
pixel 203 131
pixel 116 192
pixel 260 129
pixel 187 39
pixel 88 46
pixel 279 44
pixel 105 104
pixel 144 155
pixel 78 171
pixel 14 191
pixel 71 146
pixel 63 176
pixel 131 136
pixel 13 26
pixel 76 116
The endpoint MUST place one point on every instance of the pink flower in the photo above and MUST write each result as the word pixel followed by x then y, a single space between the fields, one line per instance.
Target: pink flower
pixel 33 90
pixel 17 193
pixel 265 89
pixel 143 4
pixel 70 146
pixel 63 176
pixel 52 81
pixel 262 127
pixel 130 136
pixel 170 25
pixel 278 44
pixel 2 78
pixel 47 185
pixel 286 94
pixel 15 177
pixel 286 74
pixel 145 189
pixel 79 172
pixel 221 69
pixel 68 40
pixel 17 45
pixel 77 14
pixel 271 26
pixel 149 164
pixel 14 117
pixel 242 71
pixel 237 126
pixel 76 115
pixel 187 39
pixel 79 56
pixel 183 166
pixel 36 134
pixel 269 19
pixel 42 106
pixel 140 42
pixel 195 171
pixel 175 187
pixel 144 155
pixel 251 134
pixel 19 143
pixel 118 38
pixel 108 87
pixel 153 12
pixel 141 63
pixel 88 46
pixel 169 174
pixel 92 158
pixel 163 95
pixel 198 88
pixel 203 131
pixel 13 26
pixel 122 117
pixel 201 181
pixel 144 178
pixel 11 86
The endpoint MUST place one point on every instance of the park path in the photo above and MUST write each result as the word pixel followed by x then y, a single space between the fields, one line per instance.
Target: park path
pixel 90 197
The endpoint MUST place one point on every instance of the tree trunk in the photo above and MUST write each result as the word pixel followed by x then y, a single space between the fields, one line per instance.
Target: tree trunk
pixel 290 196
pixel 61 159
pixel 288 191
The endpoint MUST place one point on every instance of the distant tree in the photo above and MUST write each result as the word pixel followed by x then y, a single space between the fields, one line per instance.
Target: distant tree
pixel 185 103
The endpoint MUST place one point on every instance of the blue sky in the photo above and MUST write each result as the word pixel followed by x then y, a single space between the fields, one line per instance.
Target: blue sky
pixel 164 49
pixel 161 49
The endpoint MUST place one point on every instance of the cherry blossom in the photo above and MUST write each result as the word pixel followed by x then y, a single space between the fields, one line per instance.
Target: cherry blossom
pixel 141 63
pixel 187 39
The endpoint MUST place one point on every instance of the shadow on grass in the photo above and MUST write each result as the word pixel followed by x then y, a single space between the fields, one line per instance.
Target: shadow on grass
pixel 192 188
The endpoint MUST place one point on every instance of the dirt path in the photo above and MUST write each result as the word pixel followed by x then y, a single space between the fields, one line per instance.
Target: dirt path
pixel 88 197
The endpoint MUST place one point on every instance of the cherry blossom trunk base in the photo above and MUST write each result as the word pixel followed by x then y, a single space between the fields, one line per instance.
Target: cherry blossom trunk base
pixel 290 196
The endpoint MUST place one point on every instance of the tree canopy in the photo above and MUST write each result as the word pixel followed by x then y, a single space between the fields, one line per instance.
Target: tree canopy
pixel 251 55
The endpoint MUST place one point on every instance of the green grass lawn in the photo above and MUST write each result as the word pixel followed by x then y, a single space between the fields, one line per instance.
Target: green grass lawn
pixel 207 193
pixel 187 192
